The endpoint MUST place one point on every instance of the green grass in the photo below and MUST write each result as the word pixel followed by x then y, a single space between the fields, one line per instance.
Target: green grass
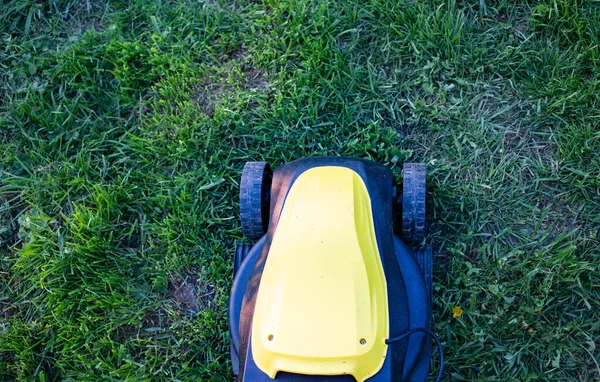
pixel 124 126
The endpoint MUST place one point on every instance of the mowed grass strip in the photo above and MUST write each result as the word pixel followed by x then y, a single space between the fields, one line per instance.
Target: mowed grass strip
pixel 124 126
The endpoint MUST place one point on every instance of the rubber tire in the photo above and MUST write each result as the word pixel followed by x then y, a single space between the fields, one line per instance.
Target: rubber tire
pixel 425 260
pixel 255 192
pixel 413 202
pixel 241 251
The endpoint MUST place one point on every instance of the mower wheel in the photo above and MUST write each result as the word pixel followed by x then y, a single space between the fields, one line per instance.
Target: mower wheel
pixel 255 193
pixel 425 261
pixel 241 251
pixel 413 202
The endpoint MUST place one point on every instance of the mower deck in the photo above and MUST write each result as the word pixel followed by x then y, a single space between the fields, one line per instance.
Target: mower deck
pixel 406 271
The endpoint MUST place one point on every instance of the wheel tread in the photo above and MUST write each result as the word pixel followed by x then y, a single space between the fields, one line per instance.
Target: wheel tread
pixel 413 202
pixel 253 216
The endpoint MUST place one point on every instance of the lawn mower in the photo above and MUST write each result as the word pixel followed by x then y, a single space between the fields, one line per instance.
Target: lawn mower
pixel 328 291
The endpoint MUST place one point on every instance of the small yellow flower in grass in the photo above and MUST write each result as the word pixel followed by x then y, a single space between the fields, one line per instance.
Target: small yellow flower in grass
pixel 457 312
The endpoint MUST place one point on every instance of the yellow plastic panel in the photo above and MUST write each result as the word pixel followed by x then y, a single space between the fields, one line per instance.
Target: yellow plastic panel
pixel 321 306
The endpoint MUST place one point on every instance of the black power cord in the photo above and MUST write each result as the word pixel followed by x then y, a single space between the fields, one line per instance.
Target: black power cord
pixel 435 338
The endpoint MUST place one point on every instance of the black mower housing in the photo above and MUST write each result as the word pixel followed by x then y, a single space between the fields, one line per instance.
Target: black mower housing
pixel 407 271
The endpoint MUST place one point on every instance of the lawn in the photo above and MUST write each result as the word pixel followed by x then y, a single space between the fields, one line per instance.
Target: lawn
pixel 124 126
